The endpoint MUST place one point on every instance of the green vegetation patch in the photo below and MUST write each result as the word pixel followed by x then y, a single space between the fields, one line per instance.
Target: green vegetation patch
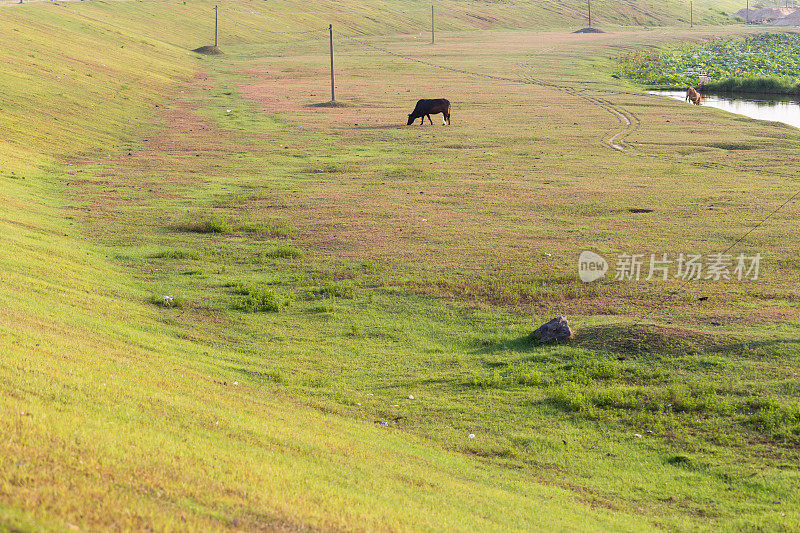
pixel 210 224
pixel 272 229
pixel 778 420
pixel 765 63
pixel 259 299
pixel 168 300
pixel 177 253
pixel 342 289
pixel 284 252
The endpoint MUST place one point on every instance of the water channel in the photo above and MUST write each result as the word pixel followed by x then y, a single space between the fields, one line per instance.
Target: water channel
pixel 772 107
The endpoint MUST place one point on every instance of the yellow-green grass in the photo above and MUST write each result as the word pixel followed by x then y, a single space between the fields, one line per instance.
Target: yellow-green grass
pixel 124 414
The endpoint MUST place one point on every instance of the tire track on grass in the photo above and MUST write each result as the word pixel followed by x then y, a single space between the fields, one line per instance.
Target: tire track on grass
pixel 613 139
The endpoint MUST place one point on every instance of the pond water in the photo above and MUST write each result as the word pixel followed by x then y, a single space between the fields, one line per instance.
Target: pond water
pixel 772 107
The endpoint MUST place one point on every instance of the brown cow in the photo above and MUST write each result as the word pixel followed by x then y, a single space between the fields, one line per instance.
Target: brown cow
pixel 693 96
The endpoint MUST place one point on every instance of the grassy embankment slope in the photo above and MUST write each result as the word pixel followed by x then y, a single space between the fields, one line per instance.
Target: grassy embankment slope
pixel 133 170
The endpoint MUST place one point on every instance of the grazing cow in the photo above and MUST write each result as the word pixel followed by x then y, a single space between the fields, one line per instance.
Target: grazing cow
pixel 426 108
pixel 693 96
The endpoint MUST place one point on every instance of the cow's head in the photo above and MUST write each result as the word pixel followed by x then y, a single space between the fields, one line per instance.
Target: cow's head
pixel 410 120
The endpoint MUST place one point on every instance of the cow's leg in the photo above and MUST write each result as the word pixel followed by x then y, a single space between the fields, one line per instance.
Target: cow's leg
pixel 430 119
pixel 422 120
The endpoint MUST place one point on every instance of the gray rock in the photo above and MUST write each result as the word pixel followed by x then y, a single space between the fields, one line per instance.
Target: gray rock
pixel 556 330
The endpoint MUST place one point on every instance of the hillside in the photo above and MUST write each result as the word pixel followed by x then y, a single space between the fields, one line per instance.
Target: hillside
pixel 224 306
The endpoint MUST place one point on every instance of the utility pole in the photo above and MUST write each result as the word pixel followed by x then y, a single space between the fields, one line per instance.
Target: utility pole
pixel 691 14
pixel 589 2
pixel 333 90
pixel 216 24
pixel 433 34
pixel 748 11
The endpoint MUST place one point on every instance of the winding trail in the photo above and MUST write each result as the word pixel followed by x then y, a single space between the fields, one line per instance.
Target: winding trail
pixel 615 137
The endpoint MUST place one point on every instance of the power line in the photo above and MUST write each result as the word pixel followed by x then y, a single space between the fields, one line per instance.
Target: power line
pixel 273 32
pixel 575 91
pixel 686 282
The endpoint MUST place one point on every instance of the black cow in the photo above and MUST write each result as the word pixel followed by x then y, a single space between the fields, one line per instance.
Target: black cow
pixel 426 108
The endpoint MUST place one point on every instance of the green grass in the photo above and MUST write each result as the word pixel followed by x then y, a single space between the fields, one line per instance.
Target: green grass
pixel 261 300
pixel 341 289
pixel 177 254
pixel 416 263
pixel 210 224
pixel 758 85
pixel 284 252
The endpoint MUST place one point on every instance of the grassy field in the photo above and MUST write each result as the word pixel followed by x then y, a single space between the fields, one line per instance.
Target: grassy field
pixel 228 305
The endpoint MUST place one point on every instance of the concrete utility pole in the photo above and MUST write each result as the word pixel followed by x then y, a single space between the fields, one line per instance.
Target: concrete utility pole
pixel 216 23
pixel 589 2
pixel 748 11
pixel 433 34
pixel 691 15
pixel 333 90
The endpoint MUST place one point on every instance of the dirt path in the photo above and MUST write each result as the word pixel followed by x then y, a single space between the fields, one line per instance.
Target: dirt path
pixel 615 137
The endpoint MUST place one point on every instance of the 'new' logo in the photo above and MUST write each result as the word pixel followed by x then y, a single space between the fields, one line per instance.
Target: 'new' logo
pixel 591 267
